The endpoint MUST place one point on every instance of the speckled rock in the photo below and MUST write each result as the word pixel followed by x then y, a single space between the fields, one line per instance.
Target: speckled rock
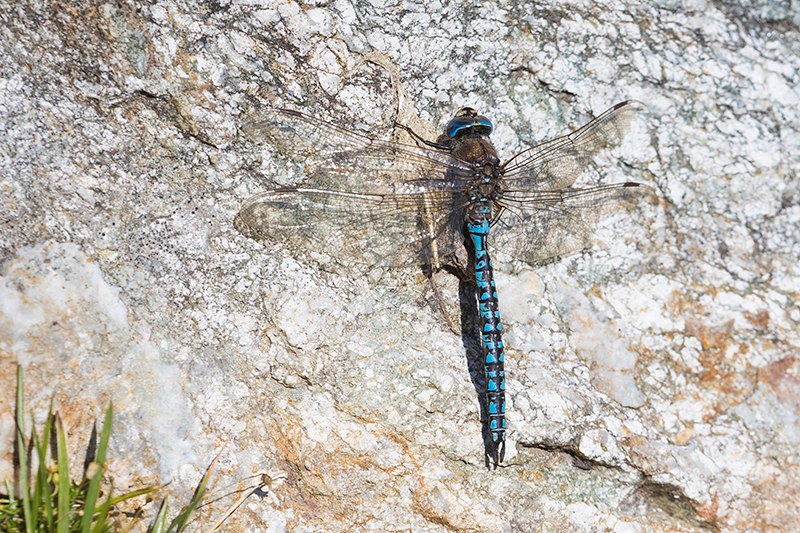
pixel 653 381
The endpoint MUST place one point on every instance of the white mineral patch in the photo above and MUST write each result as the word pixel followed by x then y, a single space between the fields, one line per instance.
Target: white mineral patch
pixel 58 312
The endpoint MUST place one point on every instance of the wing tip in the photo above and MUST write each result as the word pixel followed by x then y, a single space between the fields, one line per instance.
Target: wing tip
pixel 637 105
pixel 243 227
pixel 647 193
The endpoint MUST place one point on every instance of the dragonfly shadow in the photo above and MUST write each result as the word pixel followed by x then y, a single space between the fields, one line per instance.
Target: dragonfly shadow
pixel 467 296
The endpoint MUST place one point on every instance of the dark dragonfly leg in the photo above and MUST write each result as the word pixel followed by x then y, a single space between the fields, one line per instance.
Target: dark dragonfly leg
pixel 491 336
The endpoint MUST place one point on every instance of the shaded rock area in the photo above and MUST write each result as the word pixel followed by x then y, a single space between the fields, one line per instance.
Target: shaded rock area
pixel 653 380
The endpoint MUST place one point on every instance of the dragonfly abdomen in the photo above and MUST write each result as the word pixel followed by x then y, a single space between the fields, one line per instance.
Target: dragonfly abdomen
pixel 491 331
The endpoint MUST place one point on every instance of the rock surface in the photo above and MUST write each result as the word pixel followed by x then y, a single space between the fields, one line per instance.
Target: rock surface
pixel 653 381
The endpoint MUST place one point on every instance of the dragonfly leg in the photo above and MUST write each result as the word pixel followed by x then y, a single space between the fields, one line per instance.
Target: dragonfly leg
pixel 423 141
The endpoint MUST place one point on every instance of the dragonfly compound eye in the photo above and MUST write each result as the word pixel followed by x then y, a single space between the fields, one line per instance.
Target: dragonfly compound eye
pixel 468 121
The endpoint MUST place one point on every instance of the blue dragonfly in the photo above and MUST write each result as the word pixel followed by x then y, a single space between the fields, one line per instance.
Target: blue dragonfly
pixel 381 203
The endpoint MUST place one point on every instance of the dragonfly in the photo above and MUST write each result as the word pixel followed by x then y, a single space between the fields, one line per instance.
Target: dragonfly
pixel 381 203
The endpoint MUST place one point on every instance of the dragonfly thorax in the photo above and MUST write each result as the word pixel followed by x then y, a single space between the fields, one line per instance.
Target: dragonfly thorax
pixel 479 152
pixel 484 198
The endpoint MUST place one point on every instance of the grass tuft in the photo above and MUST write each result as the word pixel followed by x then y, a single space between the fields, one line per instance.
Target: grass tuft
pixel 49 502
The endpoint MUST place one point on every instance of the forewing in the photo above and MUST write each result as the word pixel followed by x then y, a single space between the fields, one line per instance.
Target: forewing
pixel 342 160
pixel 536 226
pixel 358 229
pixel 558 163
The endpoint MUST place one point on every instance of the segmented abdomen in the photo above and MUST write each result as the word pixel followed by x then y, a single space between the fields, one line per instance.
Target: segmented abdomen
pixel 491 336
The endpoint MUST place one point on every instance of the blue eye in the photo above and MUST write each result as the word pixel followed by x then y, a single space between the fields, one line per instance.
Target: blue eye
pixel 484 125
pixel 468 123
pixel 458 124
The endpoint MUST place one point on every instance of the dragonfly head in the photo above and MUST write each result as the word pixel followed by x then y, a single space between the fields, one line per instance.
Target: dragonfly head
pixel 468 121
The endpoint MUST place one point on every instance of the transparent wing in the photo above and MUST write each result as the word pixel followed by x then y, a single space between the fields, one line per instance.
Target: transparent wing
pixel 363 229
pixel 339 159
pixel 558 163
pixel 540 225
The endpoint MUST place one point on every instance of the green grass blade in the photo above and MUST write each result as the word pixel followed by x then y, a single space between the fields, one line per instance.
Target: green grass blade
pixel 10 491
pixel 9 509
pixel 42 498
pixel 161 518
pixel 49 514
pixel 38 483
pixel 62 525
pixel 180 521
pixel 132 494
pixel 23 459
pixel 105 507
pixel 100 462
pixel 102 514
